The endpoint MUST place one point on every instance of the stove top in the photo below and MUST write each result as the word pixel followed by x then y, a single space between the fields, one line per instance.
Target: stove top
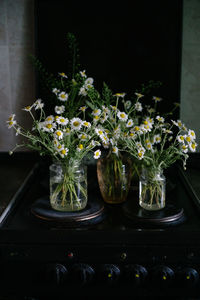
pixel 114 240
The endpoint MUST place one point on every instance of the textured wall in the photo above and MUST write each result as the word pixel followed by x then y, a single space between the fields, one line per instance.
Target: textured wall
pixel 17 87
pixel 190 80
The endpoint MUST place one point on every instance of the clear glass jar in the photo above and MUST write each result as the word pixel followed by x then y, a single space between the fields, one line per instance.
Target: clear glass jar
pixel 152 189
pixel 114 177
pixel 68 186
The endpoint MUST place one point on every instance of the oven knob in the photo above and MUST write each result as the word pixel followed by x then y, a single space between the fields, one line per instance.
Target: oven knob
pixel 110 274
pixel 56 274
pixel 136 274
pixel 82 274
pixel 188 277
pixel 163 275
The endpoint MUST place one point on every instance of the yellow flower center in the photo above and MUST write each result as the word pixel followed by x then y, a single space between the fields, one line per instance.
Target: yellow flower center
pixel 122 116
pixel 140 154
pixel 59 146
pixel 62 120
pixel 59 133
pixel 63 151
pixel 193 145
pixel 188 139
pixel 145 122
pixel 62 96
pixel 76 123
pixel 49 126
pixel 181 138
pixel 80 146
pixel 136 128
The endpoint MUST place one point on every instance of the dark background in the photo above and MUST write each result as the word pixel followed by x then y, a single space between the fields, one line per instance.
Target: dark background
pixel 123 43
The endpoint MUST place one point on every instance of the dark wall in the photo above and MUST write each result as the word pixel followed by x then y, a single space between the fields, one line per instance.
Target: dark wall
pixel 124 44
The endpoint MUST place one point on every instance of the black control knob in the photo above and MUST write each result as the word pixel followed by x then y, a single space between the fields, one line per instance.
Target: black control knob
pixel 163 275
pixel 188 277
pixel 56 274
pixel 82 274
pixel 110 274
pixel 136 274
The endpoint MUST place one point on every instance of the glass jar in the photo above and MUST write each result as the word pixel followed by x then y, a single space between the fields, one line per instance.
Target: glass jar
pixel 152 189
pixel 114 177
pixel 68 186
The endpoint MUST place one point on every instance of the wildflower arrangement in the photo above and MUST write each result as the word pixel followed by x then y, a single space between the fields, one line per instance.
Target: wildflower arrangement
pixel 66 140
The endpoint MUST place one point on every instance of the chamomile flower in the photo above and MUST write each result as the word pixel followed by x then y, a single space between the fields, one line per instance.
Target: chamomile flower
pixel 129 123
pixel 28 108
pixel 160 119
pixel 192 134
pixel 83 74
pixel 149 146
pixel 192 146
pixel 60 109
pixel 55 91
pixel 139 95
pixel 180 138
pixel 99 132
pixel 97 154
pixel 113 107
pixel 115 150
pixel 156 139
pixel 137 129
pixel 63 96
pixel 58 134
pixel 11 123
pixel 96 112
pixel 62 121
pixel 140 153
pixel 11 117
pixel 82 91
pixel 157 99
pixel 122 116
pixel 38 104
pixel 188 138
pixel 49 119
pixel 138 106
pixel 76 123
pixel 184 148
pixel 103 118
pixel 63 75
pixel 86 124
pixel 122 95
pixel 64 152
pixel 96 119
pixel 48 126
pixel 67 131
pixel 177 123
pixel 83 137
pixel 89 81
pixel 80 147
pixel 83 108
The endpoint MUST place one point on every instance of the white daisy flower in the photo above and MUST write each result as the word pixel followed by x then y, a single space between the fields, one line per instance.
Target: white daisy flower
pixel 184 148
pixel 192 146
pixel 122 95
pixel 64 152
pixel 11 117
pixel 97 154
pixel 145 128
pixel 83 136
pixel 103 118
pixel 28 108
pixel 60 109
pixel 115 150
pixel 113 107
pixel 80 147
pixel 188 138
pixel 63 96
pixel 156 139
pixel 38 104
pixel 76 123
pixel 58 134
pixel 149 146
pixel 180 138
pixel 82 91
pixel 62 74
pixel 192 134
pixel 49 119
pixel 136 129
pixel 140 153
pixel 157 99
pixel 105 109
pixel 89 81
pixel 48 126
pixel 83 108
pixel 86 124
pixel 138 106
pixel 96 112
pixel 56 91
pixel 165 130
pixel 83 74
pixel 160 119
pixel 122 116
pixel 11 123
pixel 178 123
pixel 88 86
pixel 99 132
pixel 62 121
pixel 129 123
pixel 96 119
